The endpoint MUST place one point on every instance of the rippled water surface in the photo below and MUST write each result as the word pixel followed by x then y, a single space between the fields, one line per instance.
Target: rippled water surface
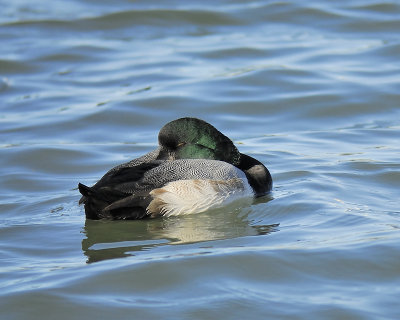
pixel 310 88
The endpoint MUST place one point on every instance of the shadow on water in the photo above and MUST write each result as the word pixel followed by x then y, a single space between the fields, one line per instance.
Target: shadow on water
pixel 116 239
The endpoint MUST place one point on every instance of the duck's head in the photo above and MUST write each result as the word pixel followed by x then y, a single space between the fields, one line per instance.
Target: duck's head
pixel 192 138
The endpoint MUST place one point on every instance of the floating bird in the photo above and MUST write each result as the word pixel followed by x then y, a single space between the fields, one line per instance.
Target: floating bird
pixel 195 168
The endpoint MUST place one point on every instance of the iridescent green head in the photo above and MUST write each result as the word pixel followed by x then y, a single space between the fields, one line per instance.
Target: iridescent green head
pixel 191 138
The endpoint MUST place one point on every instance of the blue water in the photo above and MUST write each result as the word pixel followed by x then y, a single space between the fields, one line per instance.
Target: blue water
pixel 311 89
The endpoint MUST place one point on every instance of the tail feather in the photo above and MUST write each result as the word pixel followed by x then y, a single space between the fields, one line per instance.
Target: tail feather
pixel 84 190
pixel 131 208
pixel 112 204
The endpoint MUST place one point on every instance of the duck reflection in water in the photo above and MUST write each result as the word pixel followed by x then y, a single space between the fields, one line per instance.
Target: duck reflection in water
pixel 116 239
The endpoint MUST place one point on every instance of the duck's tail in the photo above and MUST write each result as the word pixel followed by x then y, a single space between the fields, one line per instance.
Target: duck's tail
pixel 112 204
pixel 84 190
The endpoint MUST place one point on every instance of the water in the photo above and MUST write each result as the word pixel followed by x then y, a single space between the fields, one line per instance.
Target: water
pixel 311 89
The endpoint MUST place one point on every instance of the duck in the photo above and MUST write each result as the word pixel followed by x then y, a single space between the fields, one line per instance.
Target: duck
pixel 195 168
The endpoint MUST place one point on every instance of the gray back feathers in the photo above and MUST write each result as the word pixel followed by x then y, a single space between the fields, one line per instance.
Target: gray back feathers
pixel 183 169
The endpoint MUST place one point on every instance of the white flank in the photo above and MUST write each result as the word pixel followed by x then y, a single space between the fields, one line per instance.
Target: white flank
pixel 194 196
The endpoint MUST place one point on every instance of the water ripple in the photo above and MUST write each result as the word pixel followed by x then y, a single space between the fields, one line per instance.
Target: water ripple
pixel 310 89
